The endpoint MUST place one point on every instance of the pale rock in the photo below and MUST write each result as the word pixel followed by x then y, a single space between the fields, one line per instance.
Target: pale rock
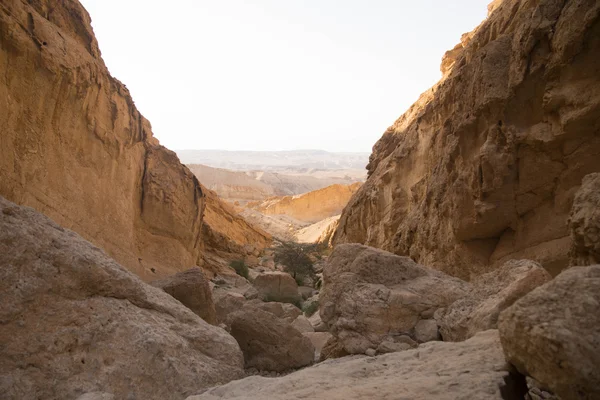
pixel 74 321
pixel 584 222
pixel 426 330
pixel 191 288
pixel 553 334
pixel 287 312
pixel 227 303
pixel 302 324
pixel 268 342
pixel 473 370
pixel 318 340
pixel 277 286
pixel 490 294
pixel 371 295
pixel 391 347
pixel 96 396
pixel 317 324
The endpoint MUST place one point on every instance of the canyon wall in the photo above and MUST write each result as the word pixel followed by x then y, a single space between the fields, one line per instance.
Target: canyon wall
pixel 312 206
pixel 74 146
pixel 484 166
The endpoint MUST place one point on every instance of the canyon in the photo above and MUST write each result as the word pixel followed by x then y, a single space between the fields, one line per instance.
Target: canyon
pixel 465 266
pixel 484 166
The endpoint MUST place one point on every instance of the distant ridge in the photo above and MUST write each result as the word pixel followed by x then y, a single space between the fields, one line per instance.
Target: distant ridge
pixel 275 160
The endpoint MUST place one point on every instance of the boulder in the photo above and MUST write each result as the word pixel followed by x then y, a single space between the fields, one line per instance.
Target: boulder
pixel 226 303
pixel 192 290
pixel 305 292
pixel 473 370
pixel 426 330
pixel 73 321
pixel 287 312
pixel 269 343
pixel 371 295
pixel 318 340
pixel 584 222
pixel 490 294
pixel 302 324
pixel 332 349
pixel 277 286
pixel 391 347
pixel 318 324
pixel 553 334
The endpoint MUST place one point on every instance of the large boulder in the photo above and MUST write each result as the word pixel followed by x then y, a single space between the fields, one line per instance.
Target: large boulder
pixel 226 303
pixel 73 321
pixel 268 342
pixel 584 222
pixel 490 294
pixel 192 290
pixel 473 370
pixel 370 295
pixel 277 286
pixel 287 312
pixel 553 334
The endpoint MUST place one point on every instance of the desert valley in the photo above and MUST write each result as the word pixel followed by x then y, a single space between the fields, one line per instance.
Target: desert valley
pixel 460 259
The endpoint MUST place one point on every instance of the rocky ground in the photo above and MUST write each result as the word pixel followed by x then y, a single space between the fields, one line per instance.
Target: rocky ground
pixel 130 280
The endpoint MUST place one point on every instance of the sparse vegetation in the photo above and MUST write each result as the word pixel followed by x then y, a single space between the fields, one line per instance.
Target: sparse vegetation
pixel 295 259
pixel 310 308
pixel 240 268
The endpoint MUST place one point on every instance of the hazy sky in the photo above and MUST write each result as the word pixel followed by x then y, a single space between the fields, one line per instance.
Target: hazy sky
pixel 277 74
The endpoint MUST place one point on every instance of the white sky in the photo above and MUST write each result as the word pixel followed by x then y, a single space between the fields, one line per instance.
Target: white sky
pixel 277 74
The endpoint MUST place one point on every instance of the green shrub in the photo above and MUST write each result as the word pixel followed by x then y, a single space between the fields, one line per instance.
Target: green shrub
pixel 295 260
pixel 240 268
pixel 310 308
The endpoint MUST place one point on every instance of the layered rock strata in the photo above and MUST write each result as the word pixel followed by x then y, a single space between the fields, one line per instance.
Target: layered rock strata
pixel 484 166
pixel 74 146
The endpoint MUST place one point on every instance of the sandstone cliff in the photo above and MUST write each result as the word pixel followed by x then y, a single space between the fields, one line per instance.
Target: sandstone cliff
pixel 312 206
pixel 226 233
pixel 74 146
pixel 484 166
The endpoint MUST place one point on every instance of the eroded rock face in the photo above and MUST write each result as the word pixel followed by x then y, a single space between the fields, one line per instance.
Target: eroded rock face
pixel 85 156
pixel 277 286
pixel 553 334
pixel 192 290
pixel 269 343
pixel 312 206
pixel 227 234
pixel 73 321
pixel 370 295
pixel 490 294
pixel 584 222
pixel 484 166
pixel 474 369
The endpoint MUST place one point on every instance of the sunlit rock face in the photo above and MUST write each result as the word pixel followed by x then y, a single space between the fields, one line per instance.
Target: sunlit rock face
pixel 74 146
pixel 484 166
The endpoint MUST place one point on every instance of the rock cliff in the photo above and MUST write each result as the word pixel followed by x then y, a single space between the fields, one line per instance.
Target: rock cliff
pixel 226 233
pixel 312 206
pixel 484 166
pixel 74 146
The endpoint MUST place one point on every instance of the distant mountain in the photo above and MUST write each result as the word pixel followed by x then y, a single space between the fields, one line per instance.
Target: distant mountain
pixel 259 185
pixel 298 161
